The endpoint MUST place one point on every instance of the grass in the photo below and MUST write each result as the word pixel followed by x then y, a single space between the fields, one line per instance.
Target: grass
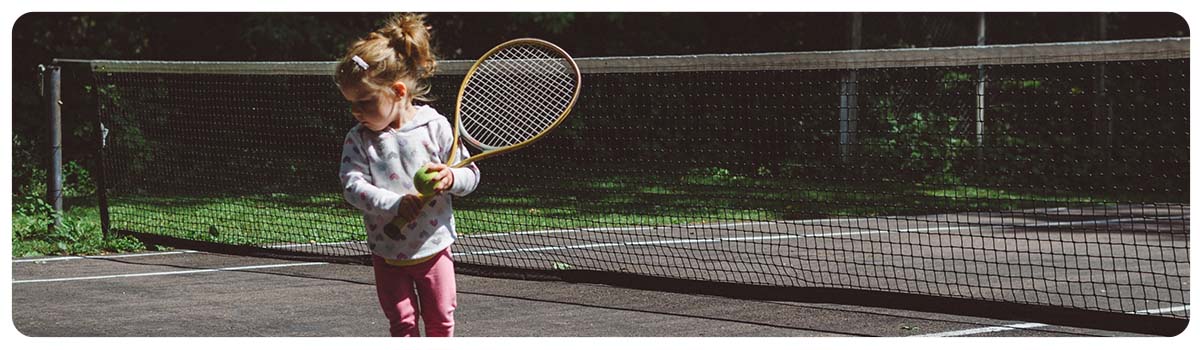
pixel 256 219
pixel 592 202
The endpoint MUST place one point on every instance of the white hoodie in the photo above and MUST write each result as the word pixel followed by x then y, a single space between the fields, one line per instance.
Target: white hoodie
pixel 377 169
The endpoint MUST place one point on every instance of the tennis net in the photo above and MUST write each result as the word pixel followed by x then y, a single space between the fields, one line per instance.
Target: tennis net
pixel 1043 174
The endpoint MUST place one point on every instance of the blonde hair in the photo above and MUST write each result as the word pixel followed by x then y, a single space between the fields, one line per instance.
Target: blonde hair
pixel 399 51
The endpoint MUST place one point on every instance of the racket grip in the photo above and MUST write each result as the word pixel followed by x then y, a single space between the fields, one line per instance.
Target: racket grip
pixel 400 221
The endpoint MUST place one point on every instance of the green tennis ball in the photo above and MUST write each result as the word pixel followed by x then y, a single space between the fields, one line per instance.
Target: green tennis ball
pixel 423 181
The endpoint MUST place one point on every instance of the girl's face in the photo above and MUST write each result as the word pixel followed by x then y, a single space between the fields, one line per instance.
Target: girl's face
pixel 375 110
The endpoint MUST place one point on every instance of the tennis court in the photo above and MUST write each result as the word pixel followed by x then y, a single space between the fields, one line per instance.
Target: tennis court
pixel 1032 183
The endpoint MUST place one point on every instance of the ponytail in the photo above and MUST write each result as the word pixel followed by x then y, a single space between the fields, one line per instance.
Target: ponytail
pixel 401 50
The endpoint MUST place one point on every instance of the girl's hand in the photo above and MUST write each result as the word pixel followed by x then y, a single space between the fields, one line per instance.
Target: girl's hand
pixel 410 207
pixel 444 178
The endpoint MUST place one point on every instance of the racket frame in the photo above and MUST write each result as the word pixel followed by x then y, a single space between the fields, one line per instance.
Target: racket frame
pixel 487 152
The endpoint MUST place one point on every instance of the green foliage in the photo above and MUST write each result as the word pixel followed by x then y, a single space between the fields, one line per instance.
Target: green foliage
pixel 79 232
pixel 925 143
pixel 25 167
pixel 33 206
pixel 712 176
pixel 77 181
pixel 75 235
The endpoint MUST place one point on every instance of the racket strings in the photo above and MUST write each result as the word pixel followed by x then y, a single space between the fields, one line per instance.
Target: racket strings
pixel 495 90
pixel 515 95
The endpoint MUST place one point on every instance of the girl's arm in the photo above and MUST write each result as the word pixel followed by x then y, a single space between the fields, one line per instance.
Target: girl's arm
pixel 356 182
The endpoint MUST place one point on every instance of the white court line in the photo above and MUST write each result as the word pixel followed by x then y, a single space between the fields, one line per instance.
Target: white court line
pixel 301 245
pixel 1093 222
pixel 101 257
pixel 1162 310
pixel 587 229
pixel 1011 327
pixel 759 238
pixel 239 268
pixel 813 221
pixel 963 332
pixel 695 241
pixel 638 228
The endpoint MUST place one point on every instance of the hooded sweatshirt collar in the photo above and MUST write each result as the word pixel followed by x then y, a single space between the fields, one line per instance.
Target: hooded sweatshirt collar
pixel 425 114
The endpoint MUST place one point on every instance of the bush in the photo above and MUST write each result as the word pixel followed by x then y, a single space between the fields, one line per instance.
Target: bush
pixel 925 145
pixel 79 231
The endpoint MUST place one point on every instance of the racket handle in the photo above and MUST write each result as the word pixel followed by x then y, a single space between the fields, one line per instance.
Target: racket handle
pixel 400 222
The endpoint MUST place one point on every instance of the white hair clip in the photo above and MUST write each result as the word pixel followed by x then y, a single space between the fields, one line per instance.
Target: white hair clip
pixel 359 61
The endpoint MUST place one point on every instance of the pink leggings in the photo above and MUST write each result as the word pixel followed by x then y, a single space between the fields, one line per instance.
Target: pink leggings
pixel 433 296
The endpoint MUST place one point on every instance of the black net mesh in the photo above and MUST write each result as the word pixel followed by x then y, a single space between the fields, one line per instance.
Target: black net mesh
pixel 1062 184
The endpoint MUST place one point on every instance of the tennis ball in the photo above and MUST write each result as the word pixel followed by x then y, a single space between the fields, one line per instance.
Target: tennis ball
pixel 423 181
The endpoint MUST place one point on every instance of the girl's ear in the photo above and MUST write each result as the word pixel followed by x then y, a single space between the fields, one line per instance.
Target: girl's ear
pixel 400 89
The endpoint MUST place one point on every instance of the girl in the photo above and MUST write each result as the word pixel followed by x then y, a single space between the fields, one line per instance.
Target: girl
pixel 381 75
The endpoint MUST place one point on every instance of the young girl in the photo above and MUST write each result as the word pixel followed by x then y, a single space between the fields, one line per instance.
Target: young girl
pixel 381 75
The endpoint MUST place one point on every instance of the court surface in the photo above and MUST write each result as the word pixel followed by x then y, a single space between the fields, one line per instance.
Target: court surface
pixel 191 294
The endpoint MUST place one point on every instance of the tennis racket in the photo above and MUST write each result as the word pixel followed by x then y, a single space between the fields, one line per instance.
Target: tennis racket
pixel 513 95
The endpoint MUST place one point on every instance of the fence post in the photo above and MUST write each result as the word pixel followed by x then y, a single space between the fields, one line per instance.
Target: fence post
pixel 52 94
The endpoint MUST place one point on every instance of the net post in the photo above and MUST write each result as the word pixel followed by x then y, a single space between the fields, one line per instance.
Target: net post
pixel 102 165
pixel 52 95
pixel 102 183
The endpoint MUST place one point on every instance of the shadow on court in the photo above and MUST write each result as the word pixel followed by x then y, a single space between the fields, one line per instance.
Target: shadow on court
pixel 196 294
